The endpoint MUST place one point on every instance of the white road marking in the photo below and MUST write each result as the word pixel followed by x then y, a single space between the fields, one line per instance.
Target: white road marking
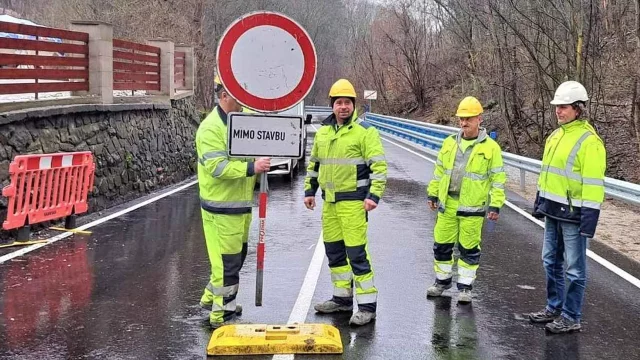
pixel 65 235
pixel 308 288
pixel 595 257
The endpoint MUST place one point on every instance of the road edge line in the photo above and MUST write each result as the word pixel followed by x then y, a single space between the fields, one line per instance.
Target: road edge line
pixel 303 302
pixel 15 254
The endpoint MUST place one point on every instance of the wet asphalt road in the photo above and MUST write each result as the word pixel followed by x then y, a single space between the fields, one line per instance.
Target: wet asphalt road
pixel 130 290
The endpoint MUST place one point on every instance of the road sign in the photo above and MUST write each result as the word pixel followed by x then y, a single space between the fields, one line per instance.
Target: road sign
pixel 262 135
pixel 370 95
pixel 266 61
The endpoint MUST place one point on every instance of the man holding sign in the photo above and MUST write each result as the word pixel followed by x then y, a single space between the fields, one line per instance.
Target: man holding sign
pixel 347 162
pixel 226 198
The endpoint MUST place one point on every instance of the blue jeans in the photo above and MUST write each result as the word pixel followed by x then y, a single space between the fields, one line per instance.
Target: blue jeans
pixel 563 242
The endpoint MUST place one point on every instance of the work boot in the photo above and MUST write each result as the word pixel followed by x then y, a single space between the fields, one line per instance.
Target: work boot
pixel 331 306
pixel 464 297
pixel 362 317
pixel 562 325
pixel 543 316
pixel 437 289
pixel 234 319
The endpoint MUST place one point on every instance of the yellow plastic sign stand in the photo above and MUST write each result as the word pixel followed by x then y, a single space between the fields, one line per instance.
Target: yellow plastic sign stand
pixel 74 231
pixel 23 243
pixel 275 339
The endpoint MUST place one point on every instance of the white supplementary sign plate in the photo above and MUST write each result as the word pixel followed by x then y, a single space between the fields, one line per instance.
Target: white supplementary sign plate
pixel 370 95
pixel 261 135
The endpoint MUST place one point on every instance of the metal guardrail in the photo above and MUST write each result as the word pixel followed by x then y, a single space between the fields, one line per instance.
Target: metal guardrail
pixel 318 110
pixel 431 136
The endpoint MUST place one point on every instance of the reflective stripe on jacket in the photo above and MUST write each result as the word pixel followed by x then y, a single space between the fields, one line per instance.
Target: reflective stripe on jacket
pixel 570 187
pixel 484 175
pixel 226 185
pixel 347 162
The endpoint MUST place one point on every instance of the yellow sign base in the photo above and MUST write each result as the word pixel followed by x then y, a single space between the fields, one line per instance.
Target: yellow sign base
pixel 275 339
pixel 74 231
pixel 23 243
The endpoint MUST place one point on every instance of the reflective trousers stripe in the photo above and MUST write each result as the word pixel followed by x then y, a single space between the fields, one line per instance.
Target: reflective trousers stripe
pixel 225 291
pixel 342 292
pixel 366 298
pixel 313 174
pixel 466 276
pixel 365 285
pixel 377 176
pixel 443 270
pixel 347 276
pixel 231 306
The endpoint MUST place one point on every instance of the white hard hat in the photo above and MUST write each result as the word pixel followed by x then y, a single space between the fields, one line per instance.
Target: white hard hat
pixel 569 92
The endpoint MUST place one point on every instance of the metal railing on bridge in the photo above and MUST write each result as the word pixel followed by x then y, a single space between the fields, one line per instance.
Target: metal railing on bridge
pixel 318 110
pixel 431 137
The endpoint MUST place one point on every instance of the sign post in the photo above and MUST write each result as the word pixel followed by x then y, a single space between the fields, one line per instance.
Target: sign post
pixel 370 95
pixel 267 62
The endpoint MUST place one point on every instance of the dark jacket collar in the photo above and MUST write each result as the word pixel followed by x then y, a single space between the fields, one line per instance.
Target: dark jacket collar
pixel 331 120
pixel 222 114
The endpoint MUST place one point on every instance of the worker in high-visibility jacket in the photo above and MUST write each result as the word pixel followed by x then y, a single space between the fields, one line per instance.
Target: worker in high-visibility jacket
pixel 347 162
pixel 468 182
pixel 570 192
pixel 226 198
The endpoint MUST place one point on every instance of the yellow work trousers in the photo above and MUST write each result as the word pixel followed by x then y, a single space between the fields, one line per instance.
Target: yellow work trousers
pixel 344 227
pixel 226 237
pixel 466 231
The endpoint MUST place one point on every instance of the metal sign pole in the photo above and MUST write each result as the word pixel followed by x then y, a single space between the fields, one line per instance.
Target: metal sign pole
pixel 262 210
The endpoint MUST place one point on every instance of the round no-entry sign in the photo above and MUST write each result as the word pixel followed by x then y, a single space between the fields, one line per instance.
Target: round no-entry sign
pixel 266 61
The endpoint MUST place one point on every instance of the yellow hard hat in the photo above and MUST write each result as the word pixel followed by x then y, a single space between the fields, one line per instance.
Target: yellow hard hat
pixel 217 84
pixel 469 107
pixel 342 88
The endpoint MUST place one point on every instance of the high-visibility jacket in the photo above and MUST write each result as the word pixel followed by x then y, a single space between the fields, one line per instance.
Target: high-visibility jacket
pixel 347 162
pixel 226 184
pixel 570 187
pixel 484 175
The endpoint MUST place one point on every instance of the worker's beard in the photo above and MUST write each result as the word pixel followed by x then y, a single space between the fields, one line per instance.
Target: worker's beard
pixel 345 117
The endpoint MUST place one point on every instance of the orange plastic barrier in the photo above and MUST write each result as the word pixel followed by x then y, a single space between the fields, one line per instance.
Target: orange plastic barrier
pixel 48 186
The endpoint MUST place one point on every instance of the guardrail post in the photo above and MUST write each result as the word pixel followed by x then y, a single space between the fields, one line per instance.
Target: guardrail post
pixel 189 66
pixel 523 178
pixel 167 49
pixel 100 59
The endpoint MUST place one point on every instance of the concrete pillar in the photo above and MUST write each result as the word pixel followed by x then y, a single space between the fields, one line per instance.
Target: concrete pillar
pixel 189 66
pixel 167 87
pixel 100 59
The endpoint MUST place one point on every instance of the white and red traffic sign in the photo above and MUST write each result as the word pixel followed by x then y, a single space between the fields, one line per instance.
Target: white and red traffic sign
pixel 267 61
